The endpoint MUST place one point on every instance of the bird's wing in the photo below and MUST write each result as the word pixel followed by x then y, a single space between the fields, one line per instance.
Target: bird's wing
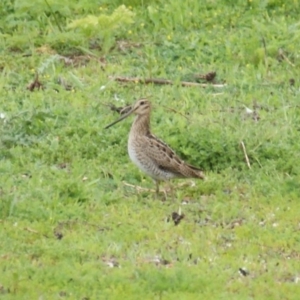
pixel 167 160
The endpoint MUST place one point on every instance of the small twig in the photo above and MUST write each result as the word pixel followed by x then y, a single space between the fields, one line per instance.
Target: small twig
pixel 163 81
pixel 265 50
pixel 54 16
pixel 287 60
pixel 36 84
pixel 209 77
pixel 175 111
pixel 245 154
pixel 30 230
pixel 141 189
pixel 120 110
pixel 138 188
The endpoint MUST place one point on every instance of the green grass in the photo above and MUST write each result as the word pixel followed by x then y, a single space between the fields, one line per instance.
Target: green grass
pixel 70 227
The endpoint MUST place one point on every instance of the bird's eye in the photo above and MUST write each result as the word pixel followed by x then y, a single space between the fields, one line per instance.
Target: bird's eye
pixel 142 103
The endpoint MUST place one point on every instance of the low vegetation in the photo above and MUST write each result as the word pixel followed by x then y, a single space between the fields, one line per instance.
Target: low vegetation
pixel 79 220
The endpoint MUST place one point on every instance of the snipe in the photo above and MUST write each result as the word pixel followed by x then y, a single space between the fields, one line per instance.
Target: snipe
pixel 150 154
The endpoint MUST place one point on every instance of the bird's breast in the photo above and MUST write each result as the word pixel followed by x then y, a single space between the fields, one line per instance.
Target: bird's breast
pixel 139 154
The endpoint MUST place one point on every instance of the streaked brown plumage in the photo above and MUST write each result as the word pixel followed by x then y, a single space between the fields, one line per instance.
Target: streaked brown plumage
pixel 150 154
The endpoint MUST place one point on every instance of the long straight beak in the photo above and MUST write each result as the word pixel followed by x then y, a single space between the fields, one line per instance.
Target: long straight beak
pixel 120 119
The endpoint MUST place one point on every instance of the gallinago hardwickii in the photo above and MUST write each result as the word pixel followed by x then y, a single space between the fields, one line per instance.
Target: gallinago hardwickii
pixel 150 154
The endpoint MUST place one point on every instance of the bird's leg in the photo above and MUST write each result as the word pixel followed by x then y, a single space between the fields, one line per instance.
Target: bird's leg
pixel 157 182
pixel 171 190
pixel 157 187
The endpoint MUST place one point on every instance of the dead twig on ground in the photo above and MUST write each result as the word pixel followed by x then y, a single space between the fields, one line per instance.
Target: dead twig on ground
pixel 141 189
pixel 209 77
pixel 35 84
pixel 245 154
pixel 282 56
pixel 138 188
pixel 163 81
pixel 175 111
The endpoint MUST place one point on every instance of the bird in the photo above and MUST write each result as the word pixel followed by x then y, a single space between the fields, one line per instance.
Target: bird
pixel 151 155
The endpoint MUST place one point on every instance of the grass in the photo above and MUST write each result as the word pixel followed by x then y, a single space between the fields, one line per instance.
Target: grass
pixel 70 227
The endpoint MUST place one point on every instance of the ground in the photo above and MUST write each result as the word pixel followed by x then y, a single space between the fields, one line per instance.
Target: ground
pixel 79 220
